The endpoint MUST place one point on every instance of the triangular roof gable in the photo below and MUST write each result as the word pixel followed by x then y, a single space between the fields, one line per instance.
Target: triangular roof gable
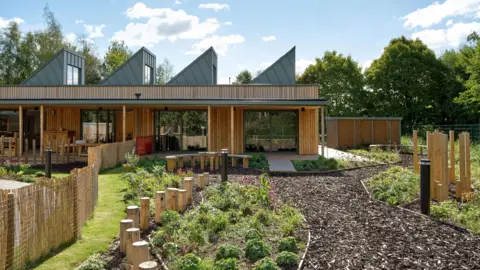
pixel 198 72
pixel 132 76
pixel 282 72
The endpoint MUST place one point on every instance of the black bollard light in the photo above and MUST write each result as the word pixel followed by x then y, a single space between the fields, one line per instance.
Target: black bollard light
pixel 48 162
pixel 224 165
pixel 425 186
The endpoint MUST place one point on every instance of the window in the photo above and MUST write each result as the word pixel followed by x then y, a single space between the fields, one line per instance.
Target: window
pixel 214 75
pixel 148 79
pixel 73 75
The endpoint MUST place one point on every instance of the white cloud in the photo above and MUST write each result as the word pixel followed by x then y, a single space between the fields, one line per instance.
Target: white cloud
pixel 449 23
pixel 269 38
pixel 223 80
pixel 436 12
pixel 78 21
pixel 366 65
pixel 178 2
pixel 227 23
pixel 163 23
pixel 71 38
pixel 221 44
pixel 450 37
pixel 215 6
pixel 5 22
pixel 94 31
pixel 302 64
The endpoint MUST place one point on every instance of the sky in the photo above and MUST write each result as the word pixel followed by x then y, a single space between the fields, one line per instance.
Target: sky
pixel 248 34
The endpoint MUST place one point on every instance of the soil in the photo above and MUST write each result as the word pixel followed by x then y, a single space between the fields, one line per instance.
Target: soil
pixel 62 168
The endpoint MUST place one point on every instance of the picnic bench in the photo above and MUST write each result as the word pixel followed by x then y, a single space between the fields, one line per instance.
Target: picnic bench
pixel 213 158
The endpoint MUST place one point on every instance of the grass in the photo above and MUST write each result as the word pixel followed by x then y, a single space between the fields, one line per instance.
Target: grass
pixel 465 215
pixel 395 186
pixel 377 155
pixel 326 164
pixel 99 232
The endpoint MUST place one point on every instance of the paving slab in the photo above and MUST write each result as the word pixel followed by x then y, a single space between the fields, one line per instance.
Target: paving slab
pixel 281 165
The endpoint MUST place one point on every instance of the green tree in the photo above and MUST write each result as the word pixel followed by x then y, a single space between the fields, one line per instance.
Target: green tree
pixel 164 72
pixel 9 54
pixel 51 39
pixel 341 81
pixel 27 58
pixel 244 77
pixel 116 55
pixel 93 64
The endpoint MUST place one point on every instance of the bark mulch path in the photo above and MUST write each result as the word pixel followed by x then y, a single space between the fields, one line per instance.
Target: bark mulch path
pixel 349 231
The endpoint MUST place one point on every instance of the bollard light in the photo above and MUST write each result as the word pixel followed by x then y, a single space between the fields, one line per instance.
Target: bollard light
pixel 224 165
pixel 48 162
pixel 425 186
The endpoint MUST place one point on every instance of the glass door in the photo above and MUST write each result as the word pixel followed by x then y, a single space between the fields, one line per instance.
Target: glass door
pixel 98 126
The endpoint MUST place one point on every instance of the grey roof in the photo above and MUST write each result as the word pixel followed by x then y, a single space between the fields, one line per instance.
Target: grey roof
pixel 132 72
pixel 282 72
pixel 202 71
pixel 54 71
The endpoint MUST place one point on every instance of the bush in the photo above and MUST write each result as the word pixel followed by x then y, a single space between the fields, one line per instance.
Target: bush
pixel 226 264
pixel 378 155
pixel 256 249
pixel 170 221
pixel 262 216
pixel 395 186
pixel 93 262
pixel 227 251
pixel 266 264
pixel 288 244
pixel 253 234
pixel 259 161
pixel 189 262
pixel 287 259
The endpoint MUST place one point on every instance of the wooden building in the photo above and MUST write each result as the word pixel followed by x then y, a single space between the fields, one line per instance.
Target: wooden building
pixel 189 113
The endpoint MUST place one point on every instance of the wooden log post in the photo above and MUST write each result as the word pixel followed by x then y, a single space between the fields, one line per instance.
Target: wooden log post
pixel 171 163
pixel 451 169
pixel 461 140
pixel 444 166
pixel 124 225
pixel 159 205
pixel 171 201
pixel 432 164
pixel 139 253
pixel 188 184
pixel 206 178
pixel 212 162
pixel 416 165
pixel 202 161
pixel 133 213
pixel 150 265
pixel 200 181
pixel 181 200
pixel 34 153
pixel 468 172
pixel 133 235
pixel 245 163
pixel 144 212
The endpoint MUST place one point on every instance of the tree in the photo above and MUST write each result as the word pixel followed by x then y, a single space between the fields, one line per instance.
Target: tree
pixel 164 72
pixel 341 81
pixel 9 54
pixel 116 55
pixel 93 64
pixel 409 81
pixel 27 57
pixel 50 40
pixel 244 77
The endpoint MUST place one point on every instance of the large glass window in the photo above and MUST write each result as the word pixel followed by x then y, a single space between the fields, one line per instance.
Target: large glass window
pixel 148 79
pixel 98 126
pixel 271 131
pixel 73 75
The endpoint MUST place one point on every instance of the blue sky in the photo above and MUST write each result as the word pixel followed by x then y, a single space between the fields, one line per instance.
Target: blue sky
pixel 251 34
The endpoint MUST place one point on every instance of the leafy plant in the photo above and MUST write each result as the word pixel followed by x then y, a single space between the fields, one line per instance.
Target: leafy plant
pixel 226 264
pixel 378 155
pixel 94 262
pixel 259 161
pixel 395 186
pixel 288 244
pixel 256 249
pixel 189 262
pixel 263 190
pixel 287 259
pixel 253 234
pixel 266 264
pixel 131 161
pixel 227 251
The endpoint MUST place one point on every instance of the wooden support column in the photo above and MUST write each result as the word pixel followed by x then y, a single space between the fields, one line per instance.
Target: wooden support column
pixel 41 130
pixel 232 130
pixel 452 157
pixel 20 128
pixel 209 130
pixel 124 124
pixel 323 129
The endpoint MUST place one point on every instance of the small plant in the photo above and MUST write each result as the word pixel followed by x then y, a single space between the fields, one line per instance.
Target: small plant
pixel 94 262
pixel 227 251
pixel 253 234
pixel 256 249
pixel 131 161
pixel 266 264
pixel 226 264
pixel 170 221
pixel 288 244
pixel 395 186
pixel 259 161
pixel 287 259
pixel 263 190
pixel 189 262
pixel 262 216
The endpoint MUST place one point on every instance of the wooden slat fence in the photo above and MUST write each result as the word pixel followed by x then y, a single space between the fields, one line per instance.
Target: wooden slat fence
pixel 40 217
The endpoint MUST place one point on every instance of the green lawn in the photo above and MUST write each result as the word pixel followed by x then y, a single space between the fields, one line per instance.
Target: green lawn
pixel 99 232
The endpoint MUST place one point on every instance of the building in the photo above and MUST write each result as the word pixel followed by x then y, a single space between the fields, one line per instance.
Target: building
pixel 191 112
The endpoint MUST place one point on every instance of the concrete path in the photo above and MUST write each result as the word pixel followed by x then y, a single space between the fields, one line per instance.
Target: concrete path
pixel 281 165
pixel 9 184
pixel 337 154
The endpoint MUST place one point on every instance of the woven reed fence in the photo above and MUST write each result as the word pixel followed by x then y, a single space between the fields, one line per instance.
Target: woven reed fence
pixel 38 218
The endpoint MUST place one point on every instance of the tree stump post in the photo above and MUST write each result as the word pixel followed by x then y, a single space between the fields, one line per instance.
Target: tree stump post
pixel 159 205
pixel 171 198
pixel 206 178
pixel 125 224
pixel 200 180
pixel 188 183
pixel 150 265
pixel 181 200
pixel 133 213
pixel 133 235
pixel 139 253
pixel 144 212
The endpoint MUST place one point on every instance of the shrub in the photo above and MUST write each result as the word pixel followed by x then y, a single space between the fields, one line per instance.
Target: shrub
pixel 378 155
pixel 253 234
pixel 259 161
pixel 189 262
pixel 158 238
pixel 286 259
pixel 395 186
pixel 262 216
pixel 256 249
pixel 94 262
pixel 288 244
pixel 227 251
pixel 170 221
pixel 266 264
pixel 226 264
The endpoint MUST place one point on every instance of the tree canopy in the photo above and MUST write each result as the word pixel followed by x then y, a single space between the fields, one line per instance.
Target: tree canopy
pixel 164 72
pixel 244 77
pixel 116 55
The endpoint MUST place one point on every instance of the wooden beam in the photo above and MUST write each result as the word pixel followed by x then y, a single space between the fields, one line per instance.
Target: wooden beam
pixel 42 124
pixel 124 124
pixel 323 130
pixel 20 128
pixel 209 131
pixel 232 131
